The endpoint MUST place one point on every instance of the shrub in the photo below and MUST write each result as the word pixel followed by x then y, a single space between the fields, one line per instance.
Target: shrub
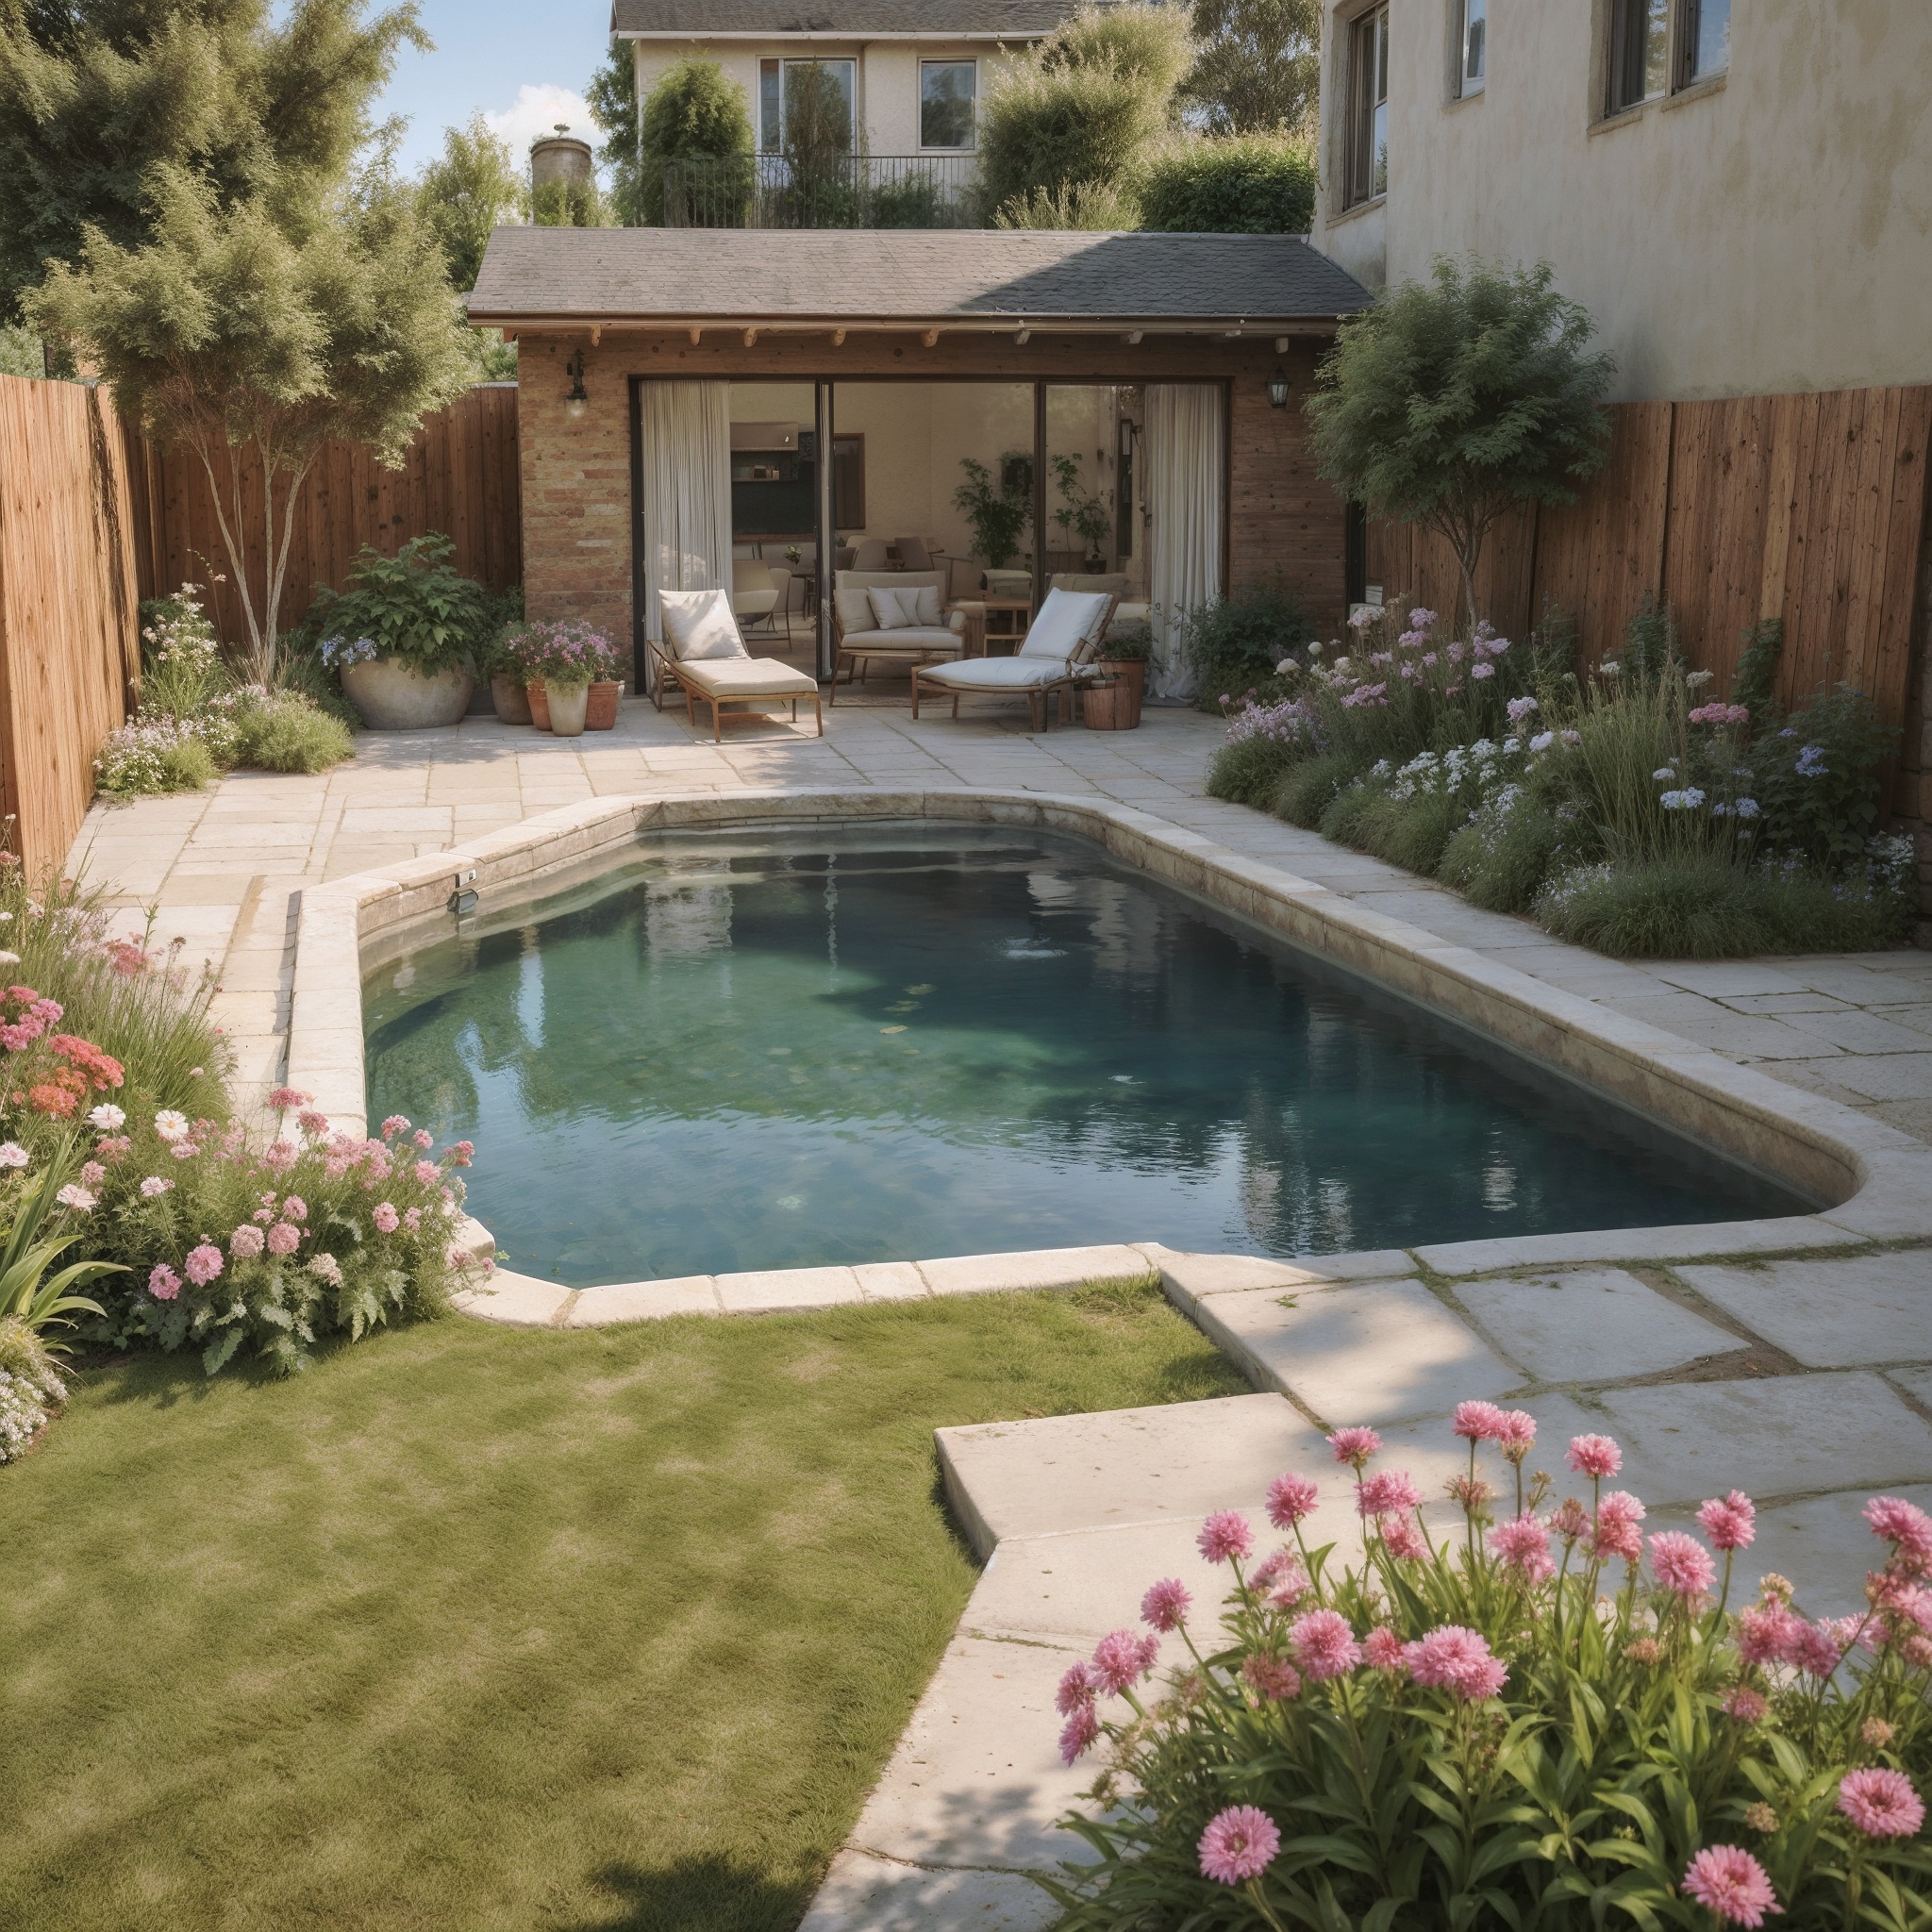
pixel 283 732
pixel 1817 778
pixel 1248 184
pixel 996 511
pixel 1236 641
pixel 1092 207
pixel 1502 858
pixel 180 657
pixel 166 756
pixel 913 201
pixel 1522 1726
pixel 1247 771
pixel 694 108
pixel 412 606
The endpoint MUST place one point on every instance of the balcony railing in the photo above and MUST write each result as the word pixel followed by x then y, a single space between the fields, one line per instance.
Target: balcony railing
pixel 838 192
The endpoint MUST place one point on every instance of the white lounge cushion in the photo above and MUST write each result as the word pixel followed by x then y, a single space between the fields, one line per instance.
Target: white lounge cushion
pixel 746 678
pixel 998 673
pixel 1065 622
pixel 699 626
pixel 908 638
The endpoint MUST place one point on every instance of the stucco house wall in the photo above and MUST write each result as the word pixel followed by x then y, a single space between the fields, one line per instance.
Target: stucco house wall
pixel 1764 233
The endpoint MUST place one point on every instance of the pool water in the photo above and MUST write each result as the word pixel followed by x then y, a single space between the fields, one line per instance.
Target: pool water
pixel 791 1048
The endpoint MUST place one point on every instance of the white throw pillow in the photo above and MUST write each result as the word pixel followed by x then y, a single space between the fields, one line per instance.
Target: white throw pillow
pixel 1063 623
pixel 930 611
pixel 889 607
pixel 854 610
pixel 698 625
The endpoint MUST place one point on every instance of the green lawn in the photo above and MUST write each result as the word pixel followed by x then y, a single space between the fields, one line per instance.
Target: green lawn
pixel 479 1629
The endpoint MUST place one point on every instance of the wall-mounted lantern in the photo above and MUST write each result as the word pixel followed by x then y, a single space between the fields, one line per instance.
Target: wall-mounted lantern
pixel 575 398
pixel 1280 389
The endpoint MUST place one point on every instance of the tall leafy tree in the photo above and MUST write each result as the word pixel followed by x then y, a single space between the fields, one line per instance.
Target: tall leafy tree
pixel 613 98
pixel 245 97
pixel 474 186
pixel 693 109
pixel 1256 69
pixel 1452 400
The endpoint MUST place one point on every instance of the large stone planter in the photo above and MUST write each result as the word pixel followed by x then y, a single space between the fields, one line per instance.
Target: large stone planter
pixel 568 704
pixel 506 694
pixel 393 698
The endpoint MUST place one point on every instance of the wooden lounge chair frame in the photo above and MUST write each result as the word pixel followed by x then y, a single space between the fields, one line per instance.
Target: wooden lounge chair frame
pixel 665 665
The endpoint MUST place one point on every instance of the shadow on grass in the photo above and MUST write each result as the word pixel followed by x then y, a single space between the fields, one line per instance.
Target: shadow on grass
pixel 698 1894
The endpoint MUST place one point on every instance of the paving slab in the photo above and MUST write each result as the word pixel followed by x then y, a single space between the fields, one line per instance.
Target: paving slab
pixel 643 1301
pixel 1187 1276
pixel 1040 1268
pixel 768 1291
pixel 517 1301
pixel 892 1281
pixel 1683 1240
pixel 1865 1308
pixel 1374 1353
pixel 863 1894
pixel 1592 1325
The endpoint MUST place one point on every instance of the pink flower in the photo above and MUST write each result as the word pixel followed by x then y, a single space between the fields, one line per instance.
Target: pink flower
pixel 1617 1534
pixel 1730 1522
pixel 1522 1544
pixel 1382 1649
pixel 1291 1498
pixel 1324 1644
pixel 185 1150
pixel 1280 1577
pixel 1681 1564
pixel 163 1283
pixel 1274 1679
pixel 1480 1422
pixel 462 1154
pixel 280 1156
pixel 1595 1455
pixel 386 1218
pixel 1386 1493
pixel 294 1208
pixel 1121 1659
pixel 1403 1540
pixel 203 1264
pixel 92 1174
pixel 285 1097
pixel 310 1122
pixel 1728 1880
pixel 427 1172
pixel 1768 1633
pixel 1570 1520
pixel 396 1124
pixel 1224 1536
pixel 1355 1445
pixel 1482 671
pixel 1516 1434
pixel 1165 1605
pixel 1453 1659
pixel 1239 1844
pixel 284 1239
pixel 1078 1688
pixel 246 1243
pixel 1901 1523
pixel 424 1137
pixel 1745 1705
pixel 413 1220
pixel 1079 1734
pixel 1881 1803
pixel 327 1267
pixel 1817 1648
pixel 79 1199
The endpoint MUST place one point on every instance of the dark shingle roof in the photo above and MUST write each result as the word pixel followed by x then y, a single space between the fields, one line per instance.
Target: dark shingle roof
pixel 532 275
pixel 1012 20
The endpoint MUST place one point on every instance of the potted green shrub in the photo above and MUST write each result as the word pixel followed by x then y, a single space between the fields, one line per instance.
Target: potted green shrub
pixel 504 667
pixel 996 512
pixel 404 635
pixel 1124 664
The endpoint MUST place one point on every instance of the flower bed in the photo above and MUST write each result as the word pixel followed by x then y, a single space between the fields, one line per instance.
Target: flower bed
pixel 1515 1727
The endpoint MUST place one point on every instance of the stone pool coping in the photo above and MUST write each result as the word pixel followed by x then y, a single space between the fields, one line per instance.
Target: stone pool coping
pixel 1879 1177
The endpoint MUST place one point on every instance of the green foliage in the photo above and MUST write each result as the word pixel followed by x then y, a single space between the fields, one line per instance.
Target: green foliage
pixel 474 186
pixel 1816 777
pixel 1079 107
pixel 914 200
pixel 821 188
pixel 566 653
pixel 997 511
pixel 1248 771
pixel 1080 514
pixel 612 96
pixel 1254 184
pixel 138 760
pixel 284 731
pixel 1131 644
pixel 181 665
pixel 34 1292
pixel 413 606
pixel 1236 641
pixel 564 202
pixel 21 353
pixel 1106 208
pixel 693 109
pixel 1449 401
pixel 1257 67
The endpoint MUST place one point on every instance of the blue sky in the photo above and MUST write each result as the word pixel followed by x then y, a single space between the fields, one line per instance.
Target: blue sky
pixel 524 62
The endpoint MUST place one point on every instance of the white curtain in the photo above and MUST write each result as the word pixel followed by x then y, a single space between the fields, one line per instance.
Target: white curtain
pixel 686 433
pixel 1186 486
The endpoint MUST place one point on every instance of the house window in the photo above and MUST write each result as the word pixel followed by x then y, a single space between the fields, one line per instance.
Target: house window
pixel 947 89
pixel 787 88
pixel 1640 50
pixel 771 107
pixel 1367 169
pixel 1472 47
pixel 1707 39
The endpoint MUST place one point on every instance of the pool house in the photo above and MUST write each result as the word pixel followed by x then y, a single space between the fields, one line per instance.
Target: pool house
pixel 989 410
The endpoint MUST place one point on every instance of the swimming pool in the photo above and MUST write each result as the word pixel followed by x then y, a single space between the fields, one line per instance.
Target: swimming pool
pixel 774 1049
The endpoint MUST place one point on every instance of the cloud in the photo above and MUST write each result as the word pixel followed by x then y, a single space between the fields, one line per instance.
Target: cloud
pixel 536 112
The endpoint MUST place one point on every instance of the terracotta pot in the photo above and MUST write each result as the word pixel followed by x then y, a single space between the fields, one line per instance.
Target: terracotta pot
pixel 391 696
pixel 568 704
pixel 602 714
pixel 540 703
pixel 1111 705
pixel 513 705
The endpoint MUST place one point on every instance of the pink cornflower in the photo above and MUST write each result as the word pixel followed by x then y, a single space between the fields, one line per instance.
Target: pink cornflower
pixel 1224 1536
pixel 1281 1579
pixel 1239 1844
pixel 1273 1678
pixel 386 1218
pixel 1817 1649
pixel 427 1172
pixel 413 1220
pixel 280 1156
pixel 1881 1803
pixel 1078 1733
pixel 1768 1633
pixel 1355 1445
pixel 1570 1520
pixel 1165 1605
pixel 294 1208
pixel 92 1174
pixel 1681 1564
pixel 1324 1644
pixel 1453 1659
pixel 1516 1434
pixel 1078 1688
pixel 1480 1422
pixel 396 1124
pixel 203 1264
pixel 1745 1705
pixel 154 1187
pixel 1901 1523
pixel 284 1239
pixel 1728 1880
pixel 1382 1649
pixel 1386 1493
pixel 1121 1659
pixel 185 1150
pixel 1522 1544
pixel 1617 1534
pixel 1730 1522
pixel 246 1243
pixel 1595 1457
pixel 1404 1540
pixel 1289 1498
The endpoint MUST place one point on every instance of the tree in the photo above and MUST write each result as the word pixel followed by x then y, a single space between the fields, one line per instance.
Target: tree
pixel 1258 65
pixel 1453 399
pixel 1240 184
pixel 252 331
pixel 613 98
pixel 473 186
pixel 96 94
pixel 694 110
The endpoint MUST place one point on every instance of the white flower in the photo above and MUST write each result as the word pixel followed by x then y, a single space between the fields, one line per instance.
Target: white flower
pixel 1697 679
pixel 170 1126
pixel 153 1188
pixel 10 959
pixel 1663 774
pixel 1686 800
pixel 1542 741
pixel 1610 668
pixel 75 1197
pixel 327 1267
pixel 108 1118
pixel 12 1154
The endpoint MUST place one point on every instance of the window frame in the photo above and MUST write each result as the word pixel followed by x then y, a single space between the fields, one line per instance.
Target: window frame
pixel 1365 179
pixel 1689 25
pixel 1670 67
pixel 972 142
pixel 1465 89
pixel 779 63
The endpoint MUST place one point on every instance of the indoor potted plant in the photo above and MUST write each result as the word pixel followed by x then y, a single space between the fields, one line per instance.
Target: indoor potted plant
pixel 404 635
pixel 1115 706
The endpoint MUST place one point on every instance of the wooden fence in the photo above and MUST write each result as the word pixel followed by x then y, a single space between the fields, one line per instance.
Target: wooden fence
pixel 1810 509
pixel 461 477
pixel 67 589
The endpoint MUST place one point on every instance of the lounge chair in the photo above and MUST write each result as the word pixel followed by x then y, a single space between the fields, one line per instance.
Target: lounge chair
pixel 1057 655
pixel 860 635
pixel 703 654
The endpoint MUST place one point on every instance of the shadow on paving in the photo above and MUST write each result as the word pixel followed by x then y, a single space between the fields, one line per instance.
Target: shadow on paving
pixel 699 1894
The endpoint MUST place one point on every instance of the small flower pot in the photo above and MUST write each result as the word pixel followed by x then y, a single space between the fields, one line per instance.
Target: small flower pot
pixel 600 714
pixel 568 704
pixel 508 695
pixel 1110 705
pixel 540 703
pixel 392 696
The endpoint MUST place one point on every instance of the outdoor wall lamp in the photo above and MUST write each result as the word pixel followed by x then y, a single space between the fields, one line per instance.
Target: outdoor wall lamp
pixel 1280 389
pixel 574 397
